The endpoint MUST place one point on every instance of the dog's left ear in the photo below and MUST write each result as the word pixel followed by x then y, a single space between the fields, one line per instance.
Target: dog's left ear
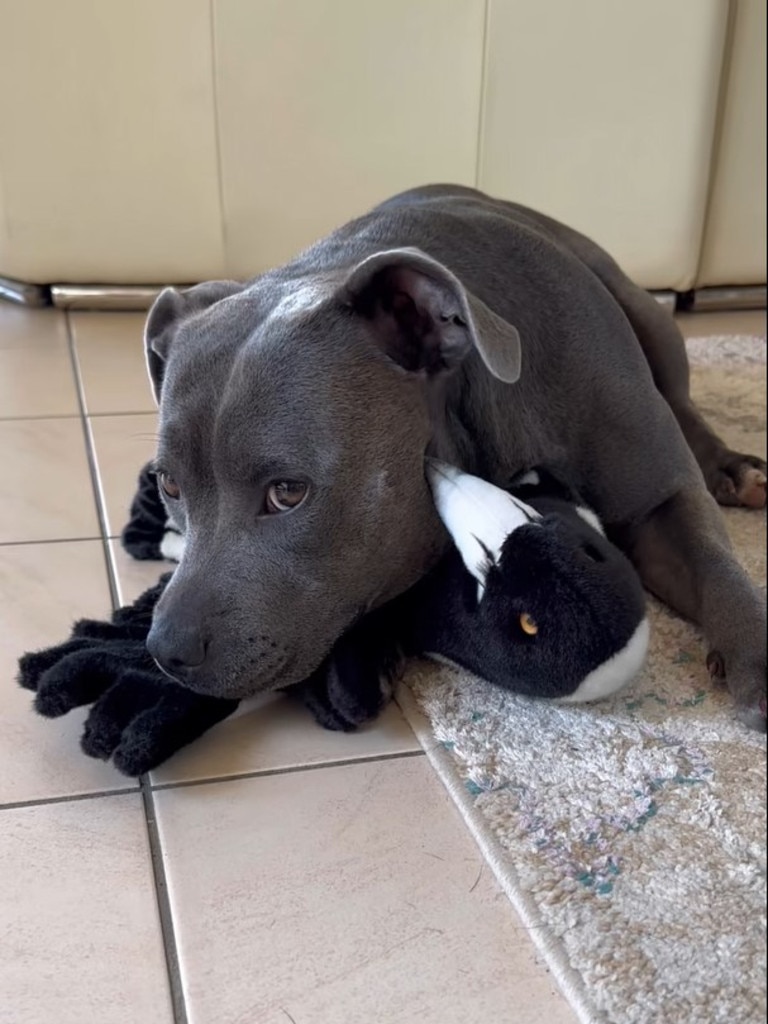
pixel 169 310
pixel 424 319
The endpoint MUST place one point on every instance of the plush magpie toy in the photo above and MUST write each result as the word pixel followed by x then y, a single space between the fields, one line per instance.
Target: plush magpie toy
pixel 534 599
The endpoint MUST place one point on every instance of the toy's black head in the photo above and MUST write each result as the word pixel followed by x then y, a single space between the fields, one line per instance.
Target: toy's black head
pixel 559 611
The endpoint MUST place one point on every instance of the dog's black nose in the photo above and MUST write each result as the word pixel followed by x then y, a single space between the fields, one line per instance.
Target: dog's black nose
pixel 177 652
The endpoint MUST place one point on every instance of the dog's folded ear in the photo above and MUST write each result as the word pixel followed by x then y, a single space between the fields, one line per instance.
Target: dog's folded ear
pixel 169 310
pixel 424 319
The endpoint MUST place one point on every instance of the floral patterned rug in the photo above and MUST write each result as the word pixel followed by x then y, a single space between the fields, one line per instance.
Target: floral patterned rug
pixel 630 835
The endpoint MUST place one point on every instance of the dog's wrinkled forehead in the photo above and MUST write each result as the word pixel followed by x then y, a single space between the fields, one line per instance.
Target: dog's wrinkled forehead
pixel 258 334
pixel 266 311
pixel 256 378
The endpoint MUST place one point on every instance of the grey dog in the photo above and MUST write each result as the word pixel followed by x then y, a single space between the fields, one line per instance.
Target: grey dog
pixel 296 412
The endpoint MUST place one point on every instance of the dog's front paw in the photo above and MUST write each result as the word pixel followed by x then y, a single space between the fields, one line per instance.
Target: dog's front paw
pixel 360 681
pixel 313 694
pixel 357 680
pixel 750 683
pixel 345 694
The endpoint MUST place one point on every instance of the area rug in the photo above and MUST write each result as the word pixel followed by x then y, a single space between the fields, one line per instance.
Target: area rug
pixel 629 835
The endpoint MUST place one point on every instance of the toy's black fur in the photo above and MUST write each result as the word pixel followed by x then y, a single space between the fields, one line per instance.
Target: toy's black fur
pixel 148 522
pixel 582 592
pixel 140 717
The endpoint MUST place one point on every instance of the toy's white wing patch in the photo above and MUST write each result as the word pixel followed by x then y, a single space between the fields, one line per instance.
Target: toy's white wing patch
pixel 590 517
pixel 172 545
pixel 478 515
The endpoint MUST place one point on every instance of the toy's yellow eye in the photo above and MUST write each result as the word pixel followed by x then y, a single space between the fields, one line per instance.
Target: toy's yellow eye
pixel 528 625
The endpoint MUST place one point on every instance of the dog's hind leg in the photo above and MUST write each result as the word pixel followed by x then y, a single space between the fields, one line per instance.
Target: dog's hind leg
pixel 684 557
pixel 732 477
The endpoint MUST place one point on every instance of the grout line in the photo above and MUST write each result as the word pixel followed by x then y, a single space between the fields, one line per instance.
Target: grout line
pixel 123 412
pixel 48 540
pixel 93 468
pixel 156 857
pixel 77 415
pixel 164 909
pixel 260 773
pixel 42 416
pixel 15 805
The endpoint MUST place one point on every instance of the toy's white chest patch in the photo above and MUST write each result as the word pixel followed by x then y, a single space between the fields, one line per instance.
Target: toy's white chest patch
pixel 617 671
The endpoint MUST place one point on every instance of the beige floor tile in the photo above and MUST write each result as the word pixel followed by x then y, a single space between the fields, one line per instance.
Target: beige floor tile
pixel 36 377
pixel 343 895
pixel 273 732
pixel 702 325
pixel 43 589
pixel 110 354
pixel 122 445
pixel 82 939
pixel 45 484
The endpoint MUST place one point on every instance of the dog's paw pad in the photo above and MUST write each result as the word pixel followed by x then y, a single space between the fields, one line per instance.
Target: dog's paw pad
pixel 751 489
pixel 739 480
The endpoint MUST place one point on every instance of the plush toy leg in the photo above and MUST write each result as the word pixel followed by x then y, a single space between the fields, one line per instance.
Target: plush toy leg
pixel 75 673
pixel 141 721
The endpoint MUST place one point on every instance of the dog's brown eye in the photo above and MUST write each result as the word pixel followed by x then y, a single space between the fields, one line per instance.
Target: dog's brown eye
pixel 169 485
pixel 284 495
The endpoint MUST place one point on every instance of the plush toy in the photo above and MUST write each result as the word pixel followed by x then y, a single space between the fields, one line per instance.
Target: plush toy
pixel 534 599
pixel 139 717
pixel 149 535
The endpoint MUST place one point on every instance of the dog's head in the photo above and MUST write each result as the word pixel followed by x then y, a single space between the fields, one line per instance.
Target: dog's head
pixel 294 418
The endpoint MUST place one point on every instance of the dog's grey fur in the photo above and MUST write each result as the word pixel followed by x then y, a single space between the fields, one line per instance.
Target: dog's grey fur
pixel 398 335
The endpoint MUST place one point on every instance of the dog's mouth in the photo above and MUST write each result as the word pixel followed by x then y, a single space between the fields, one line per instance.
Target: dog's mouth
pixel 236 685
pixel 167 674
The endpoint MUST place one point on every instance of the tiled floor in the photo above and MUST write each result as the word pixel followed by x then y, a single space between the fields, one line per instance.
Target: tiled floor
pixel 272 872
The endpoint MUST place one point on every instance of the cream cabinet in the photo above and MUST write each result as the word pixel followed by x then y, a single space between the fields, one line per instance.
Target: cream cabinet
pixel 327 107
pixel 177 140
pixel 734 247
